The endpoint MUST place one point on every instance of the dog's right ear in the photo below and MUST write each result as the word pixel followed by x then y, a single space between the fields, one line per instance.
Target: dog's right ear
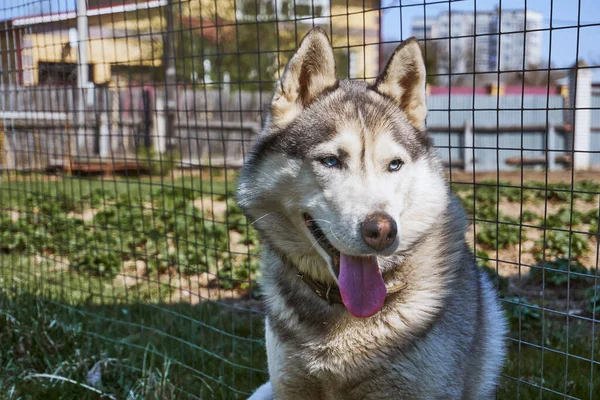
pixel 403 81
pixel 308 74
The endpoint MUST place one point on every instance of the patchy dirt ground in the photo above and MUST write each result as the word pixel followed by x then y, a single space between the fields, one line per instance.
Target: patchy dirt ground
pixel 516 177
pixel 513 262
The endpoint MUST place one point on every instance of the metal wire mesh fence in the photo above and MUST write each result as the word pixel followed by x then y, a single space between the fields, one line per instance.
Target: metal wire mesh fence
pixel 127 269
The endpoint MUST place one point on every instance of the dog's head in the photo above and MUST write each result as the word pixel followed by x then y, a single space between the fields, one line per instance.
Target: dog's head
pixel 343 179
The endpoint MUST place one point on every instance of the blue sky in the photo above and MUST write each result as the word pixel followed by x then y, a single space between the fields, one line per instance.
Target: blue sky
pixel 397 24
pixel 18 8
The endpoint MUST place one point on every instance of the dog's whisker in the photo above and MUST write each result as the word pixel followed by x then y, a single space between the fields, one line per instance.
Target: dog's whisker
pixel 319 220
pixel 314 244
pixel 333 233
pixel 259 218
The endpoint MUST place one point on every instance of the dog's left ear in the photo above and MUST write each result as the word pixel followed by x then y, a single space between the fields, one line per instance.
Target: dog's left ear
pixel 308 74
pixel 403 80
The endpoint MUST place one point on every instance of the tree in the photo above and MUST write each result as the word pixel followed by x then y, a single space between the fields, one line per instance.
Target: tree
pixel 534 75
pixel 244 46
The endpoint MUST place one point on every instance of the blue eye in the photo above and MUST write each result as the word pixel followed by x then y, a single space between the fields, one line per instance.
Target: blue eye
pixel 330 161
pixel 395 165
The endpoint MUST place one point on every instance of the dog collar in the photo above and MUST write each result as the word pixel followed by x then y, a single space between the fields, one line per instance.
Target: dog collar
pixel 331 293
pixel 326 291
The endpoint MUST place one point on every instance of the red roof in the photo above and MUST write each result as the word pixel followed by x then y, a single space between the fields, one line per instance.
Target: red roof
pixel 508 89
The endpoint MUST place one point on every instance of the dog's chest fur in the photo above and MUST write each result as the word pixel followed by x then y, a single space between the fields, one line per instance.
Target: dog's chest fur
pixel 319 351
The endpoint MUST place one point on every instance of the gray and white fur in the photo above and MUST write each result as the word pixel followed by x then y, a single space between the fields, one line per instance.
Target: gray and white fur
pixel 442 336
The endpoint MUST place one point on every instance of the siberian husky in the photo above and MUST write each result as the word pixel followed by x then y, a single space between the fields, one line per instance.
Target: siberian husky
pixel 370 288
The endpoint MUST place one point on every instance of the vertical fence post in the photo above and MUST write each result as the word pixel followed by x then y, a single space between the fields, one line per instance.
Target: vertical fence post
pixel 467 147
pixel 551 147
pixel 170 76
pixel 104 139
pixel 2 146
pixel 82 74
pixel 159 126
pixel 104 142
pixel 580 93
pixel 118 133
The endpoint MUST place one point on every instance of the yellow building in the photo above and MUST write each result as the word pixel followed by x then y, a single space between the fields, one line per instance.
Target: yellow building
pixel 126 41
pixel 120 37
pixel 9 56
pixel 353 27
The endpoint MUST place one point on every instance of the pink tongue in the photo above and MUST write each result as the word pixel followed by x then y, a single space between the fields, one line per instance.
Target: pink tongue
pixel 361 285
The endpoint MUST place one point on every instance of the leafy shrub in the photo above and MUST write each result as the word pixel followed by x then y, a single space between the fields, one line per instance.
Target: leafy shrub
pixel 233 274
pixel 157 164
pixel 498 236
pixel 12 238
pixel 557 191
pixel 564 218
pixel 595 228
pixel 97 254
pixel 592 295
pixel 98 197
pixel 557 272
pixel 561 244
pixel 487 212
pixel 529 216
pixel 561 192
pixel 162 228
pixel 521 310
pixel 591 217
pixel 49 205
pixel 586 190
pixel 174 193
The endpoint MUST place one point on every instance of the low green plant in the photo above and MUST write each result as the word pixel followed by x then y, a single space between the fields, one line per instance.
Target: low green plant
pixel 565 218
pixel 521 312
pixel 592 295
pixel 156 163
pixel 529 216
pixel 592 218
pixel 595 228
pixel 561 244
pixel 98 197
pixel 586 190
pixel 498 236
pixel 558 272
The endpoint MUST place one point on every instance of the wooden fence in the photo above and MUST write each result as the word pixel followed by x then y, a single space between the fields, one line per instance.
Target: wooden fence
pixel 42 128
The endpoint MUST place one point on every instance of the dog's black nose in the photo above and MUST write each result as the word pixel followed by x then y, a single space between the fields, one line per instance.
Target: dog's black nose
pixel 379 230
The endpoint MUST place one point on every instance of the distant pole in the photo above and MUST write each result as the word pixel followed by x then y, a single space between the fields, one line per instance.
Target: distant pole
pixel 551 147
pixel 580 81
pixel 2 147
pixel 82 71
pixel 170 74
pixel 468 159
pixel 380 47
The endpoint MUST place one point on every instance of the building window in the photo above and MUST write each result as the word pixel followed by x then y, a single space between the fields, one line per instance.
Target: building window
pixel 248 7
pixel 269 8
pixel 255 8
pixel 308 9
pixel 56 73
pixel 303 10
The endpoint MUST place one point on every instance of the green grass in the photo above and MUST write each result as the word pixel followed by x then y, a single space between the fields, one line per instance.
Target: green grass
pixel 146 347
pixel 156 350
pixel 15 188
pixel 64 314
pixel 531 367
